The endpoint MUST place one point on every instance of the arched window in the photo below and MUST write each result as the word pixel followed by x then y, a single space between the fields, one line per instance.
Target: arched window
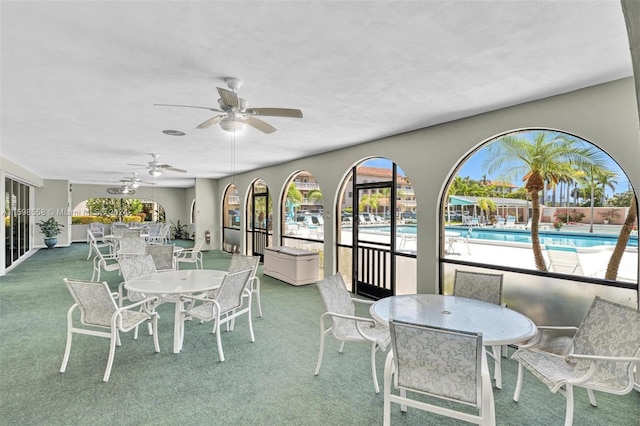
pixel 303 216
pixel 553 211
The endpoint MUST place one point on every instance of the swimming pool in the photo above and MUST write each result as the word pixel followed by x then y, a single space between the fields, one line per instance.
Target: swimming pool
pixel 519 235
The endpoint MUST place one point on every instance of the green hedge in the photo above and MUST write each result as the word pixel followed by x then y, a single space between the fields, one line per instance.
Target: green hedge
pixel 85 220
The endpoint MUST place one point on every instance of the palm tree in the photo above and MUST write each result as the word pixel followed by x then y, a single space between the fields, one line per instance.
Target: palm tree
pixel 607 179
pixel 623 239
pixel 315 195
pixel 590 179
pixel 385 195
pixel 486 206
pixel 294 197
pixel 537 159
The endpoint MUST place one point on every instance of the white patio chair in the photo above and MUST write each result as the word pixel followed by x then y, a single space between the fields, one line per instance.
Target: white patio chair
pixel 131 246
pixel 226 306
pixel 463 239
pixel 604 352
pixel 193 255
pixel 97 229
pixel 345 325
pixel 445 364
pixel 241 262
pixel 163 256
pixel 486 288
pixel 130 268
pixel 95 244
pixel 155 235
pixel 98 309
pixel 106 262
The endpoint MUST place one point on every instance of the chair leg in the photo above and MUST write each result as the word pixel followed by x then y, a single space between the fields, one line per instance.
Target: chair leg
pixel 322 333
pixel 488 407
pixel 374 349
pixel 253 339
pixel 257 292
pixel 112 352
pixel 219 339
pixel 388 377
pixel 67 351
pixel 341 348
pixel 592 397
pixel 516 393
pixel 568 417
pixel 154 327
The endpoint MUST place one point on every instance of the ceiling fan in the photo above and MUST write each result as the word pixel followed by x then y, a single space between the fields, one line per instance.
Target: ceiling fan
pixel 123 190
pixel 234 112
pixel 134 181
pixel 156 168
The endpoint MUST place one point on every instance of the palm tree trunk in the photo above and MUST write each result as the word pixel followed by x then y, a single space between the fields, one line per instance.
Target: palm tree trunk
pixel 535 238
pixel 592 210
pixel 621 245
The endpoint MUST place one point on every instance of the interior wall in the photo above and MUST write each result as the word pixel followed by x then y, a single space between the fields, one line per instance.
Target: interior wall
pixel 53 199
pixel 208 213
pixel 605 115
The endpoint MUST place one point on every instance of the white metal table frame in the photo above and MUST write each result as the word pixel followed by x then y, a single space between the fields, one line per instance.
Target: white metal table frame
pixel 499 325
pixel 177 283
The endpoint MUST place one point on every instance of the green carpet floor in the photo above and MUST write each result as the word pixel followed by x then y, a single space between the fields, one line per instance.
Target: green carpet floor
pixel 268 382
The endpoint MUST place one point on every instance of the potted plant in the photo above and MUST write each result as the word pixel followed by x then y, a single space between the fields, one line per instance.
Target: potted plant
pixel 557 224
pixel 50 228
pixel 609 215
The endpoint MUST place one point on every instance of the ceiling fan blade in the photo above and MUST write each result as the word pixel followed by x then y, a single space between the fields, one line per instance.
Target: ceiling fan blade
pixel 229 98
pixel 210 122
pixel 260 125
pixel 170 167
pixel 189 106
pixel 175 169
pixel 276 112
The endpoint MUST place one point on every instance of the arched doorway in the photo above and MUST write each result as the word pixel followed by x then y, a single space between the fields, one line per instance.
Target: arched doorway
pixel 259 218
pixel 377 229
pixel 231 234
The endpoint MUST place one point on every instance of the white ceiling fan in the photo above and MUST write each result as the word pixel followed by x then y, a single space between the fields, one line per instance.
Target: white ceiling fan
pixel 234 112
pixel 156 168
pixel 134 181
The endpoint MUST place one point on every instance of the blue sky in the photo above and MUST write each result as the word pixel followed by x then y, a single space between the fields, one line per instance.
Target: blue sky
pixel 473 169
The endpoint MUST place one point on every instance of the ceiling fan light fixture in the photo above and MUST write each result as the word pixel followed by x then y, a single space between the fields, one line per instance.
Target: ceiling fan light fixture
pixel 230 124
pixel 134 184
pixel 155 172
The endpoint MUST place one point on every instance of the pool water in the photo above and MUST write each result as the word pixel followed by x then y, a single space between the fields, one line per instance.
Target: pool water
pixel 519 236
pixel 546 237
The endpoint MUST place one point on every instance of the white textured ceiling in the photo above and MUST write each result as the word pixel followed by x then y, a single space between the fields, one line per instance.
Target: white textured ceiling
pixel 79 79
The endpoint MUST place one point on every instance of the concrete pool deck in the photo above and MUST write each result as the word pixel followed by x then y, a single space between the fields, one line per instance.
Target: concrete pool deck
pixel 594 260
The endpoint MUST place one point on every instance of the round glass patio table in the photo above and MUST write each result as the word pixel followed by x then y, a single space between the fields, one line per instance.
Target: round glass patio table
pixel 499 325
pixel 176 283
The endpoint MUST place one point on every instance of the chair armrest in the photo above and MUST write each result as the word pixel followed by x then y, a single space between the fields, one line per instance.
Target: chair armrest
pixel 142 302
pixel 363 301
pixel 604 358
pixel 200 297
pixel 537 340
pixel 350 317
